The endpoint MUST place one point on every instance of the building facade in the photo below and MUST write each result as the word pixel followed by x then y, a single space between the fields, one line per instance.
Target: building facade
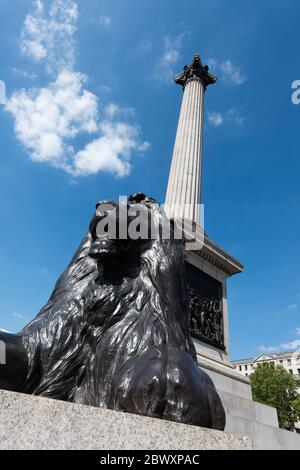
pixel 290 361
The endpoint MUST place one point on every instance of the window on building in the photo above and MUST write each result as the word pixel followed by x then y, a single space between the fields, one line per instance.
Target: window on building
pixel 246 374
pixel 240 368
pixel 289 362
pixel 281 362
pixel 246 367
pixel 298 371
pixel 251 366
pixel 291 371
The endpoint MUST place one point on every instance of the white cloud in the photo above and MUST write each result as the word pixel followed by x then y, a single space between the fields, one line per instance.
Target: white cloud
pixel 233 115
pixel 112 110
pixel 105 21
pixel 46 118
pixel 268 349
pixel 49 119
pixel 232 73
pixel 229 72
pixel 212 63
pixel 24 73
pixel 105 89
pixel 216 119
pixel 172 48
pixel 291 308
pixel 48 33
pixel 289 346
pixel 18 315
pixel 172 51
pixel 288 309
pixel 144 146
pixel 297 331
pixel 2 92
pixel 111 151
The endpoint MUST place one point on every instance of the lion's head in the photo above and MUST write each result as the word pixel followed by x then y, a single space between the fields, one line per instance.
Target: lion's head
pixel 111 226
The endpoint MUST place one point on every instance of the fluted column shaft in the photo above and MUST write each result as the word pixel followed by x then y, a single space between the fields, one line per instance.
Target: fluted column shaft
pixel 183 192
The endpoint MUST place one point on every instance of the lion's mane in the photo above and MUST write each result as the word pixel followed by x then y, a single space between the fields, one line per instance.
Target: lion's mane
pixel 122 341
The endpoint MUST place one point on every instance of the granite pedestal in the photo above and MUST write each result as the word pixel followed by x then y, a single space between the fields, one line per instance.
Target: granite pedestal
pixel 29 422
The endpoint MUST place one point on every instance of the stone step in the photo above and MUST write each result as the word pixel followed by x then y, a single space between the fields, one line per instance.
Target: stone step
pixel 264 437
pixel 239 407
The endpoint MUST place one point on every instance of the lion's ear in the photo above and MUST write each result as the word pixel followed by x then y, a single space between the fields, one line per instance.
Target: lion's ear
pixel 137 198
pixel 141 198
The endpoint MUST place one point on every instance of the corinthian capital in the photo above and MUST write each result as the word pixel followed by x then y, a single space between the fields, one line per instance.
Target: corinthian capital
pixel 195 71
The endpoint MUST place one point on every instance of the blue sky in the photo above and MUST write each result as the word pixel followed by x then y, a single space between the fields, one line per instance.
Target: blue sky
pixel 91 113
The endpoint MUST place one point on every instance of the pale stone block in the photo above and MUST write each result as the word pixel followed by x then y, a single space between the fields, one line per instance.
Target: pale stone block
pixel 227 380
pixel 266 414
pixel 29 422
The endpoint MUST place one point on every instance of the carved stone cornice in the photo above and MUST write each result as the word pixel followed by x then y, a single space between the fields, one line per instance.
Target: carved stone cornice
pixel 210 251
pixel 195 71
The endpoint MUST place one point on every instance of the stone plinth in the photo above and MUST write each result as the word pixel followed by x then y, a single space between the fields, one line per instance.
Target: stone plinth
pixel 29 422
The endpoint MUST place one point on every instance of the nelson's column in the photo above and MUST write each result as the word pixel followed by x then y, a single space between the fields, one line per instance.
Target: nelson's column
pixel 209 267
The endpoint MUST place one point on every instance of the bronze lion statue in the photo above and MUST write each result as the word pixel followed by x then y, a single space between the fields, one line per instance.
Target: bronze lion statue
pixel 114 332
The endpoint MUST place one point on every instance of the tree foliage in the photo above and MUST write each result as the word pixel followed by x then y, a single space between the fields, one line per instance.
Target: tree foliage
pixel 296 405
pixel 274 386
